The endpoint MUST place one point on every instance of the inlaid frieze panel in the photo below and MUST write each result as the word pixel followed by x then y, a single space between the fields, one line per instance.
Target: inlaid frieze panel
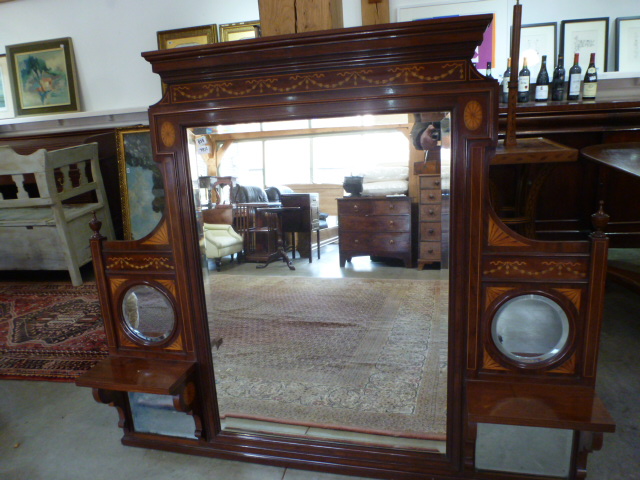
pixel 534 268
pixel 433 72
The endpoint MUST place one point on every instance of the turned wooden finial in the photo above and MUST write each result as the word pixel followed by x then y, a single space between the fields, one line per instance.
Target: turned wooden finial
pixel 599 220
pixel 95 225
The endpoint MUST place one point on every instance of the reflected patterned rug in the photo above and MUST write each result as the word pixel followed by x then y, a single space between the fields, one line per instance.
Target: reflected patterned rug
pixel 364 355
pixel 49 331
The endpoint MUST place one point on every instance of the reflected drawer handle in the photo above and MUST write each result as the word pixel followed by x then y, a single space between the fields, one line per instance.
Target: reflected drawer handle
pixel 391 206
pixel 356 241
pixel 431 231
pixel 391 222
pixel 432 212
pixel 355 207
pixel 437 182
pixel 430 250
pixel 432 196
pixel 392 242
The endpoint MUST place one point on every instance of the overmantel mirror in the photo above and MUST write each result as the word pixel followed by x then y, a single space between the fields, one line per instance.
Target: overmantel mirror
pixel 399 376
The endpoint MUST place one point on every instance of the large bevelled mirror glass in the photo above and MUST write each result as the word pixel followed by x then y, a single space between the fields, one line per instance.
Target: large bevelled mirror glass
pixel 148 313
pixel 347 354
pixel 530 329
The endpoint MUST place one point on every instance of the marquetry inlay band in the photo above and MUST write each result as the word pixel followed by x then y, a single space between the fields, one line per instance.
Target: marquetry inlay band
pixel 520 267
pixel 139 263
pixel 432 72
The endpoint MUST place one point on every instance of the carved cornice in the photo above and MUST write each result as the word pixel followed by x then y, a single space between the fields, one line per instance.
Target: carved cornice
pixel 433 72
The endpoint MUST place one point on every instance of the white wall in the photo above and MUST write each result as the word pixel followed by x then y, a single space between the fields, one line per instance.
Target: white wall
pixel 108 37
pixel 533 11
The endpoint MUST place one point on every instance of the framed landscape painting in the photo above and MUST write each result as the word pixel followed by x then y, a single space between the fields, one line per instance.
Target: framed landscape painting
pixel 43 77
pixel 6 100
pixel 141 185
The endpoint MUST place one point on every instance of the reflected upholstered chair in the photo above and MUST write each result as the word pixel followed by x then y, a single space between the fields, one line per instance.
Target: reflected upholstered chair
pixel 220 239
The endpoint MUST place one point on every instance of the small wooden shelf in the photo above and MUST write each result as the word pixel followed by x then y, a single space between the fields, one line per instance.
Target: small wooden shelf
pixel 536 405
pixel 129 374
pixel 533 150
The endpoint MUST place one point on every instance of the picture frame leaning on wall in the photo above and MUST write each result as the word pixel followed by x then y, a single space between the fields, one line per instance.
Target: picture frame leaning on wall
pixel 628 44
pixel 6 97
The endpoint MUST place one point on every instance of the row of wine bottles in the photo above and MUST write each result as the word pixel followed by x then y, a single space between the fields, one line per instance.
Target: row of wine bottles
pixel 556 87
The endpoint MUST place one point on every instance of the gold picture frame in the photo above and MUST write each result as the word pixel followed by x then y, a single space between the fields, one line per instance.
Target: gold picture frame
pixel 187 37
pixel 240 31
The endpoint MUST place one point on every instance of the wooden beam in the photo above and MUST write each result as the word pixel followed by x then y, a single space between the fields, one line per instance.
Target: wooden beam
pixel 375 12
pixel 278 17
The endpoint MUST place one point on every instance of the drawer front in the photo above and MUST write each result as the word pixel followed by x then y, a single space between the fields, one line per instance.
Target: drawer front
pixel 354 207
pixel 430 196
pixel 380 242
pixel 430 231
pixel 430 212
pixel 391 207
pixel 430 251
pixel 430 181
pixel 380 223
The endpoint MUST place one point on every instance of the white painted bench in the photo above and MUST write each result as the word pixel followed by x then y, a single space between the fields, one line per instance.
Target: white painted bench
pixel 42 225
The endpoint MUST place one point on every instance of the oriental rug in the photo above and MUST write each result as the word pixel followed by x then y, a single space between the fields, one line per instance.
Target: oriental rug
pixel 363 355
pixel 49 331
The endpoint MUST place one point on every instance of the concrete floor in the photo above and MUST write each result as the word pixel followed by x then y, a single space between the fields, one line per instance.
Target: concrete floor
pixel 51 431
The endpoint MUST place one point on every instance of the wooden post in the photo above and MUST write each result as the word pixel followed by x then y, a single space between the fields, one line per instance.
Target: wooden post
pixel 375 12
pixel 510 138
pixel 279 17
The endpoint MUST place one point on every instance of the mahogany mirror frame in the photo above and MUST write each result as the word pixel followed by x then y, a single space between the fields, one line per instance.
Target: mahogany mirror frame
pixel 397 68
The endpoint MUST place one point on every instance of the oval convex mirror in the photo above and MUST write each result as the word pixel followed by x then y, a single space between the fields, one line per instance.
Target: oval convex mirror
pixel 148 313
pixel 530 329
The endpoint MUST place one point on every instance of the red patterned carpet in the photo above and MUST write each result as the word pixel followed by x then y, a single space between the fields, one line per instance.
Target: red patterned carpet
pixel 49 331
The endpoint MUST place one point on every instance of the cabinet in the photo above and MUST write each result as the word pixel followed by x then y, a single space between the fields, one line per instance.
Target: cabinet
pixel 430 217
pixel 376 226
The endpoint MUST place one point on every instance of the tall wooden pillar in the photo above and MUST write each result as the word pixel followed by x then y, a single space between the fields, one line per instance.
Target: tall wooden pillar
pixel 278 17
pixel 375 12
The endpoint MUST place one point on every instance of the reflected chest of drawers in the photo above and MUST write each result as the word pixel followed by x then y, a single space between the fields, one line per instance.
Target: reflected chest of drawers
pixel 375 226
pixel 430 234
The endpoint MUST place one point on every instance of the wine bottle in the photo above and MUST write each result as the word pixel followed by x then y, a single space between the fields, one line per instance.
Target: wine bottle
pixel 524 82
pixel 488 72
pixel 542 82
pixel 505 82
pixel 590 86
pixel 575 75
pixel 557 84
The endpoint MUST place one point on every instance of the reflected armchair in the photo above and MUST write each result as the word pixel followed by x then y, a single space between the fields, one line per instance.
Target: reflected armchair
pixel 221 240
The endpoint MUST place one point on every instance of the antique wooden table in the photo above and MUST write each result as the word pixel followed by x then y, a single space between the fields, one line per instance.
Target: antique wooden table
pixel 624 157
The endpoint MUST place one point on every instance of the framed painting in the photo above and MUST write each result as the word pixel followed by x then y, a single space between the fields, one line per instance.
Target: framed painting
pixel 141 185
pixel 187 37
pixel 239 31
pixel 43 77
pixel 628 44
pixel 6 98
pixel 537 40
pixel 584 37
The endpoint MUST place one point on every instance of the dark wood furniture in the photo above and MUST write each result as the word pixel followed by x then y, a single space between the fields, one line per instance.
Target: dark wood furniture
pixel 272 228
pixel 624 158
pixel 375 226
pixel 398 68
pixel 570 194
pixel 430 217
pixel 304 221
